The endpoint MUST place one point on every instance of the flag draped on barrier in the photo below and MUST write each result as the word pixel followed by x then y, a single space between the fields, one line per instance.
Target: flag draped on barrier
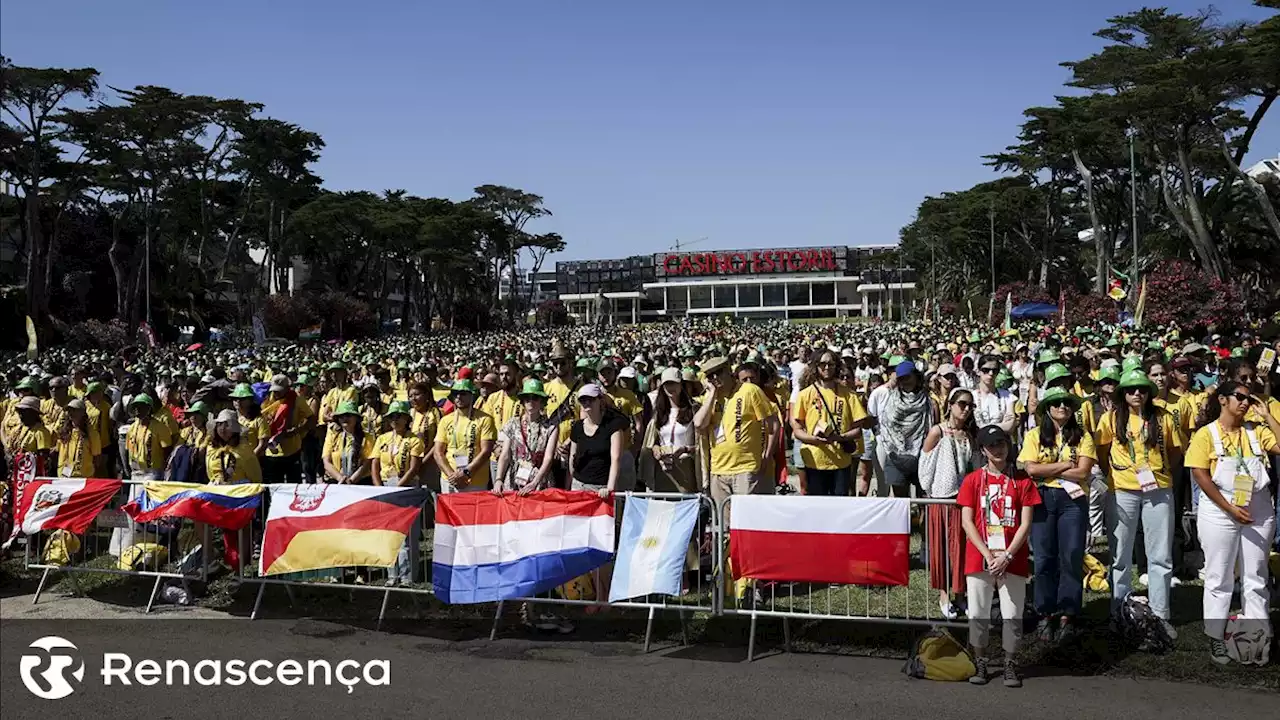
pixel 491 548
pixel 229 507
pixel 69 504
pixel 854 541
pixel 312 527
pixel 652 547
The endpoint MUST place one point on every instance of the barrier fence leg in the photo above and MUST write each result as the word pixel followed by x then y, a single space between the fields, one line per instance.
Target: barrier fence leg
pixel 155 588
pixel 751 641
pixel 206 540
pixel 648 630
pixel 262 588
pixel 786 634
pixel 493 632
pixel 288 590
pixel 40 588
pixel 386 597
pixel 684 628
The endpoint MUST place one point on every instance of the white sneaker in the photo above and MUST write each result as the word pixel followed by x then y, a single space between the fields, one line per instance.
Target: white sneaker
pixel 948 609
pixel 1142 580
pixel 1175 581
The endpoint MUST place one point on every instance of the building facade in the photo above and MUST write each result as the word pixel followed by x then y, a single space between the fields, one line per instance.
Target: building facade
pixel 791 284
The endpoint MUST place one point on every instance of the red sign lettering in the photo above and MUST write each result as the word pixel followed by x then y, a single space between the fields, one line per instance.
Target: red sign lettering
pixel 749 262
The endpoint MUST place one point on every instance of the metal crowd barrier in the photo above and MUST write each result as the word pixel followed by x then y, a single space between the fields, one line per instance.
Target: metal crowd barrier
pixel 157 551
pixel 698 589
pixel 913 604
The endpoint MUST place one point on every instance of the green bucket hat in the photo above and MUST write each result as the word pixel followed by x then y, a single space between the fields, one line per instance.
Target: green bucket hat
pixel 464 386
pixel 539 367
pixel 1237 352
pixel 398 407
pixel 1056 371
pixel 198 407
pixel 1111 374
pixel 94 387
pixel 532 386
pixel 1132 362
pixel 29 383
pixel 142 399
pixel 1112 342
pixel 304 380
pixel 402 365
pixel 896 360
pixel 243 390
pixel 1136 379
pixel 1055 394
pixel 336 365
pixel 1048 357
pixel 346 407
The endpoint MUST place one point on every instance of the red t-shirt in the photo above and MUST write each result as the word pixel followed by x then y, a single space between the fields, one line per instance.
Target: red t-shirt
pixel 1008 496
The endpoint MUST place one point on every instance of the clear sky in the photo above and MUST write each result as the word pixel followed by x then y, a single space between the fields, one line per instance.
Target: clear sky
pixel 751 123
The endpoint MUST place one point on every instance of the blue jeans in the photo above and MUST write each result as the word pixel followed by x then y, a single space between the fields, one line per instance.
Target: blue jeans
pixel 1058 531
pixel 409 559
pixel 828 482
pixel 1155 512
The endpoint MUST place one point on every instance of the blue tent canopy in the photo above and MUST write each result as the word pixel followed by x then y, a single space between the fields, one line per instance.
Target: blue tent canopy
pixel 1033 311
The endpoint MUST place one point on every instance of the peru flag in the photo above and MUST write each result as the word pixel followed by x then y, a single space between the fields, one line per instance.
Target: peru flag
pixel 851 541
pixel 69 504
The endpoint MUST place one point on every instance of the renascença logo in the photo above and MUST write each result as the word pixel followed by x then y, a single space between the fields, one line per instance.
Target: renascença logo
pixel 51 682
pixel 60 655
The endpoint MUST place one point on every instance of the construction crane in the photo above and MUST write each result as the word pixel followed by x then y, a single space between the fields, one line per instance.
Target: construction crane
pixel 679 244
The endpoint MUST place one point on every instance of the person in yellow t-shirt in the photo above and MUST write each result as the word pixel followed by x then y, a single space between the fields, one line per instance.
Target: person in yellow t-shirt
pixel 562 398
pixel 738 416
pixel 464 441
pixel 1236 515
pixel 502 404
pixel 398 453
pixel 282 462
pixel 1142 448
pixel 227 459
pixel 1059 454
pixel 99 412
pixel 340 390
pixel 196 433
pixel 348 452
pixel 253 429
pixel 424 416
pixel 148 442
pixel 27 432
pixel 625 402
pixel 827 419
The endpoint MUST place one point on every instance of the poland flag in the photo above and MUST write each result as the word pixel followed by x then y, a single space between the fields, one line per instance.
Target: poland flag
pixel 854 541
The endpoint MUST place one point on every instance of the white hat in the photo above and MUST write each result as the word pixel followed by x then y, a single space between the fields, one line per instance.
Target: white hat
pixel 229 418
pixel 591 390
pixel 846 353
pixel 671 374
pixel 627 372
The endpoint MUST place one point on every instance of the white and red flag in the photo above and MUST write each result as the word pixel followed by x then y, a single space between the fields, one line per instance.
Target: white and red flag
pixel 62 504
pixel 851 541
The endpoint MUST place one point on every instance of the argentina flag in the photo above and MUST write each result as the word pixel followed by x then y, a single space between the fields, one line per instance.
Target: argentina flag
pixel 652 547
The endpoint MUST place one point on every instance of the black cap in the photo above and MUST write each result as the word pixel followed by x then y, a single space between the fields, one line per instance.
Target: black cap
pixel 992 435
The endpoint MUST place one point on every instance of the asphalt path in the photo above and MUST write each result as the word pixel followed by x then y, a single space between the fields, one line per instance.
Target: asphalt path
pixel 434 673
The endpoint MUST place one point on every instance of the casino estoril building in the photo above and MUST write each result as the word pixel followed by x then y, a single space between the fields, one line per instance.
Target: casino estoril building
pixel 784 283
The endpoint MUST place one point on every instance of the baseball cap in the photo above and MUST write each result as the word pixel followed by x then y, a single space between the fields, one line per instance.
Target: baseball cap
pixel 590 390
pixel 905 368
pixel 992 435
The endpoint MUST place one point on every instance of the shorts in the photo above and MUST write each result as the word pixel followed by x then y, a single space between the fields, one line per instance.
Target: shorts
pixel 796 459
pixel 904 472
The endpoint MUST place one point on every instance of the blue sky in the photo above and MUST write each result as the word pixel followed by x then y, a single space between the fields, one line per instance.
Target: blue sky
pixel 754 124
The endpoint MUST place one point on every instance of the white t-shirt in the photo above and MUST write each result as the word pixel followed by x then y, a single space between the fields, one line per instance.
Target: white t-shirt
pixel 675 434
pixel 991 408
pixel 797 369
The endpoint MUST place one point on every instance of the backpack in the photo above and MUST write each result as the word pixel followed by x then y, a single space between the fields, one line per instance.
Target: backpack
pixel 939 656
pixel 186 465
pixel 1247 641
pixel 1139 626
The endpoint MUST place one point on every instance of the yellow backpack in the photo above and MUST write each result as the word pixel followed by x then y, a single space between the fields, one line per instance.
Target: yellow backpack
pixel 939 656
pixel 1095 575
pixel 59 548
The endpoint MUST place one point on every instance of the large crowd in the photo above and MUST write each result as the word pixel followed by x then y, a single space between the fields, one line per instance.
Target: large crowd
pixel 1050 439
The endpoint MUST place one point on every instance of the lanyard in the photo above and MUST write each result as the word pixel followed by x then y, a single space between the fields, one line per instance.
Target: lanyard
pixel 1133 453
pixel 834 422
pixel 1006 492
pixel 453 432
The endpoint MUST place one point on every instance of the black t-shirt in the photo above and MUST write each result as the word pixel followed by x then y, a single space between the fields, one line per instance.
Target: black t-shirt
pixel 591 462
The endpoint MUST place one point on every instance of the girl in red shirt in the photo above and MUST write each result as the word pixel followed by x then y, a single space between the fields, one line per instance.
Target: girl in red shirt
pixel 997 504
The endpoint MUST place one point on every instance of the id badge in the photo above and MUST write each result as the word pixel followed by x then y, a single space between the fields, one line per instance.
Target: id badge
pixel 719 436
pixel 820 428
pixel 1242 490
pixel 1074 491
pixel 1147 480
pixel 461 460
pixel 995 537
pixel 66 471
pixel 524 472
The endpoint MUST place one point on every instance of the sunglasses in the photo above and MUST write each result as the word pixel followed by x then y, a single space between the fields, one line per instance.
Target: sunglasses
pixel 1059 403
pixel 963 404
pixel 827 364
pixel 1241 397
pixel 987 370
pixel 1135 391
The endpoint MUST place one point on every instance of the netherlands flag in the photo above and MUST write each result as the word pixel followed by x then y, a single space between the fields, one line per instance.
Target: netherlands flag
pixel 852 541
pixel 491 548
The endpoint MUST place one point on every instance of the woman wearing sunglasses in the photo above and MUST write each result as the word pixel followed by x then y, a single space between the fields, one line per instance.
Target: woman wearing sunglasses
pixel 1060 455
pixel 1228 459
pixel 992 405
pixel 950 453
pixel 1140 444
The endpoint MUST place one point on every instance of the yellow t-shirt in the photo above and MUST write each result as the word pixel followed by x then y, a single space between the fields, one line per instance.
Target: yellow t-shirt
pixel 28 439
pixel 336 445
pixel 253 431
pixel 196 438
pixel 625 402
pixel 1032 452
pixel 371 420
pixel 1200 452
pixel 146 445
pixel 440 392
pixel 1174 407
pixel 228 465
pixel 423 424
pixel 1188 407
pixel 1254 415
pixel 394 452
pixel 100 420
pixel 76 453
pixel 557 394
pixel 502 407
pixel 737 431
pixel 330 401
pixel 462 436
pixel 289 445
pixel 1087 418
pixel 51 413
pixel 838 409
pixel 1124 453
